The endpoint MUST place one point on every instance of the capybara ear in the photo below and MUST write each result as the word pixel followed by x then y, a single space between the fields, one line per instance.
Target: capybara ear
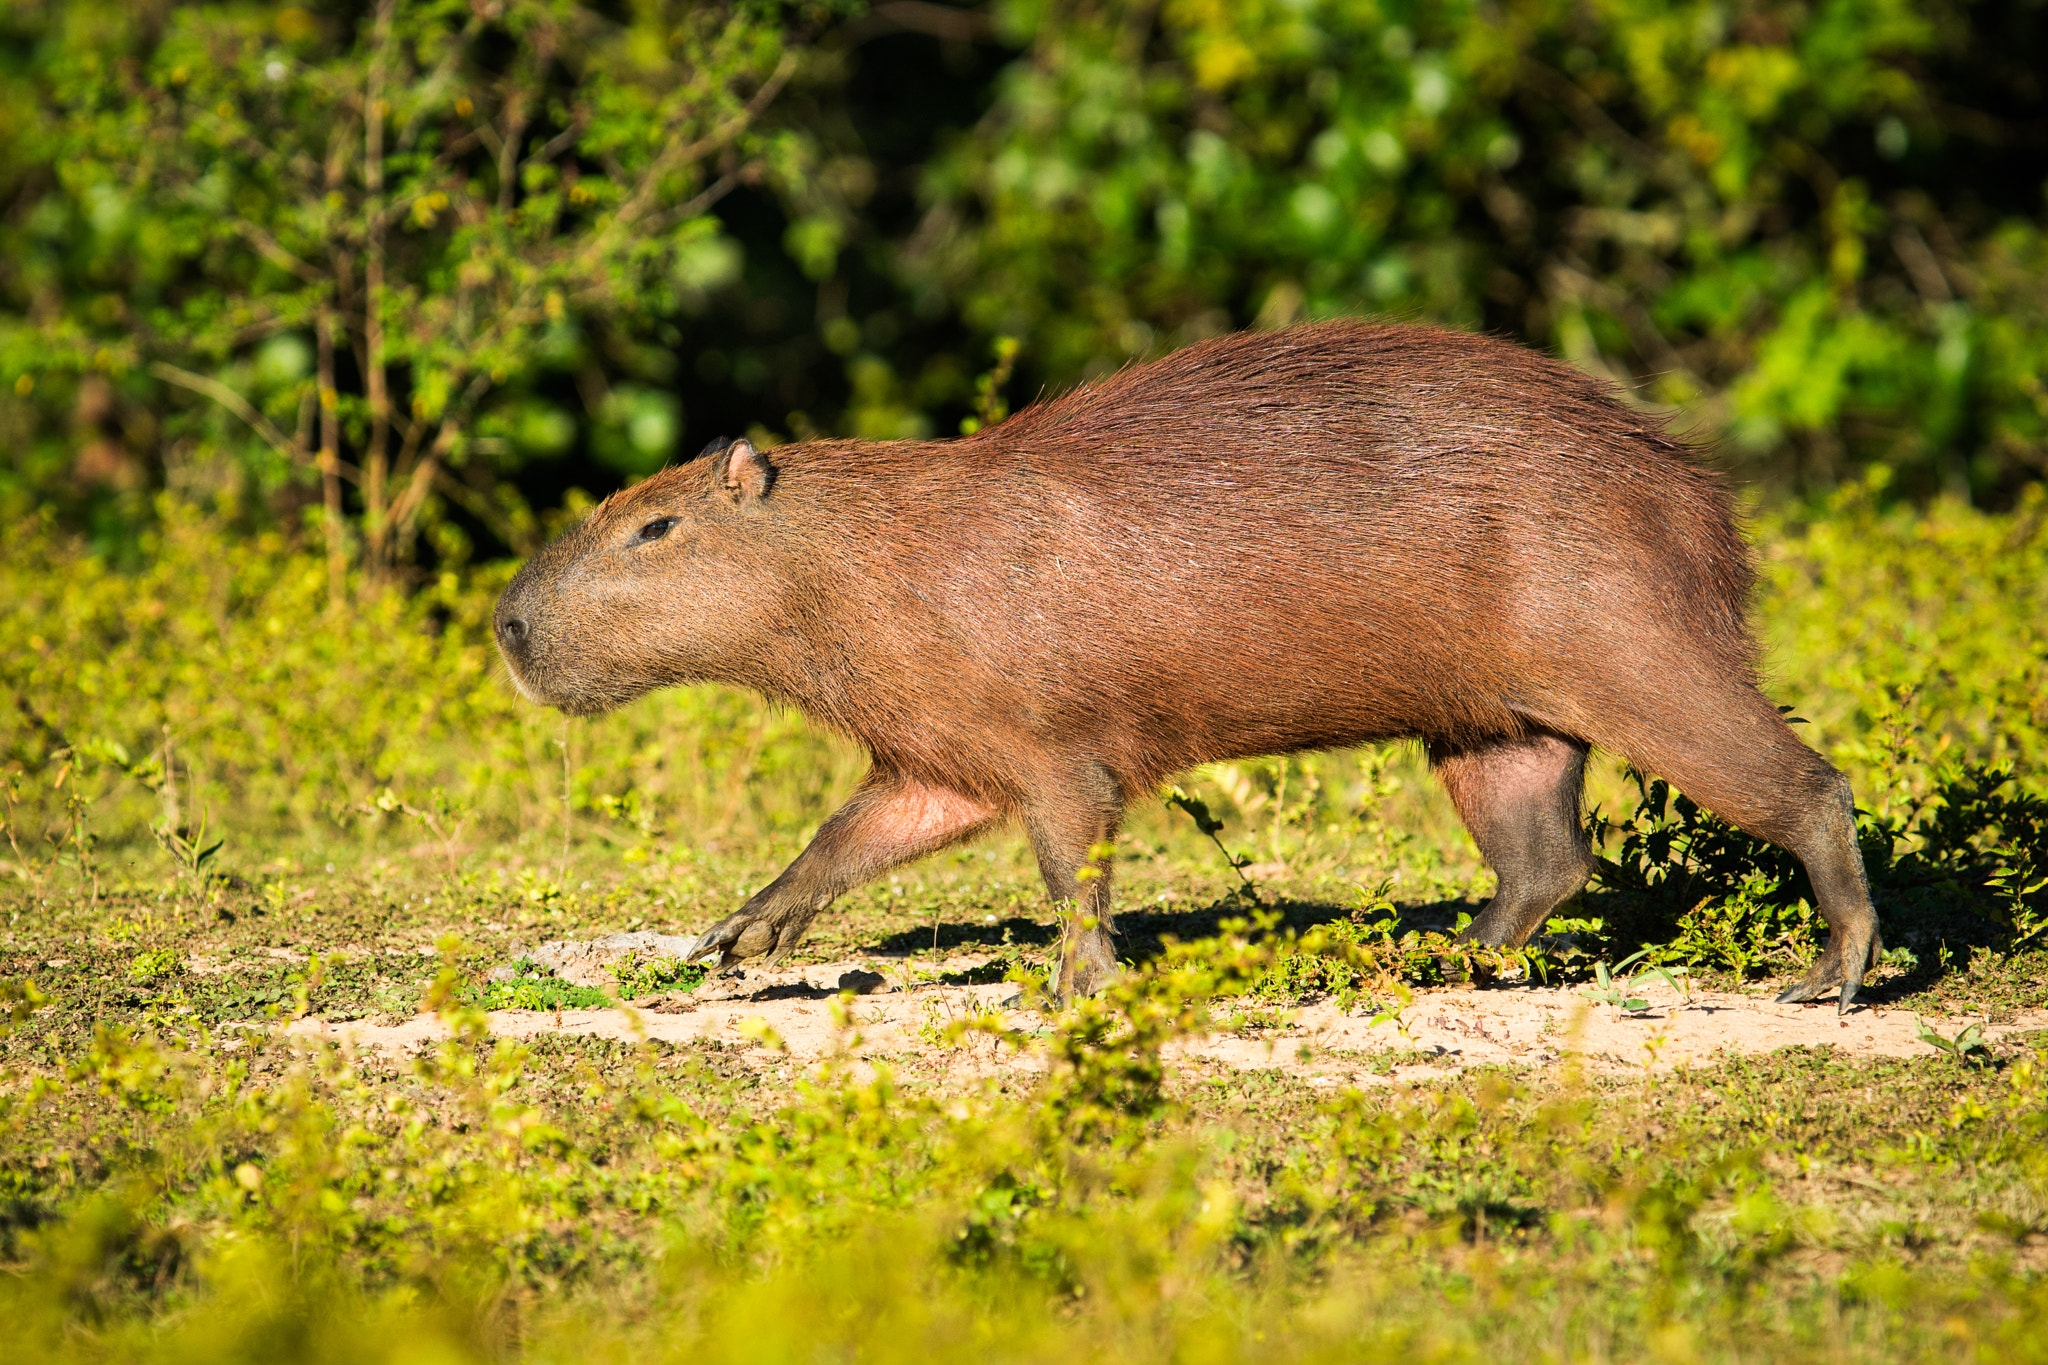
pixel 747 471
pixel 716 444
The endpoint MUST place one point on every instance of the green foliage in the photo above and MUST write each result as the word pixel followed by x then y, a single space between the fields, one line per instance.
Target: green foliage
pixel 1613 985
pixel 1738 901
pixel 1969 1042
pixel 366 237
pixel 213 679
pixel 533 987
pixel 1774 216
pixel 1970 844
pixel 1859 602
pixel 1196 809
pixel 637 978
pixel 1817 229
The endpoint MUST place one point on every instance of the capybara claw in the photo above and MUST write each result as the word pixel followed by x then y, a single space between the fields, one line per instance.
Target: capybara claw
pixel 1797 993
pixel 712 942
pixel 1085 979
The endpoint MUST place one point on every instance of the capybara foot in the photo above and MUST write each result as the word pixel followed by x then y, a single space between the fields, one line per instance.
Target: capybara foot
pixel 1087 967
pixel 1078 980
pixel 1828 971
pixel 742 935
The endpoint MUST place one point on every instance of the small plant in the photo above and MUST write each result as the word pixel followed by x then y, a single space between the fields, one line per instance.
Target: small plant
pixel 1286 791
pixel 1397 1015
pixel 990 406
pixel 936 1025
pixel 1613 987
pixel 189 848
pixel 531 986
pixel 636 978
pixel 148 966
pixel 261 997
pixel 1970 1040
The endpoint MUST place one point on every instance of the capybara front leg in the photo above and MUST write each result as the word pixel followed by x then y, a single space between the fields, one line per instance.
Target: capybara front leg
pixel 1069 830
pixel 891 820
pixel 1520 799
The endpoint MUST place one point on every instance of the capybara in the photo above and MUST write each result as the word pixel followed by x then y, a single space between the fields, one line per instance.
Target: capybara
pixel 1263 543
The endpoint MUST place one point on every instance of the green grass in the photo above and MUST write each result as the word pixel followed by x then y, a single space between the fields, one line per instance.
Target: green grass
pixel 180 1179
pixel 178 1191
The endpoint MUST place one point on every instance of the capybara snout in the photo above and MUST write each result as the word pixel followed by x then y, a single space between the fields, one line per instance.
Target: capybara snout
pixel 1263 543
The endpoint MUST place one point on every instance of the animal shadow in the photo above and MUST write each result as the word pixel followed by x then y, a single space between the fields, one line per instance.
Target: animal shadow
pixel 1142 929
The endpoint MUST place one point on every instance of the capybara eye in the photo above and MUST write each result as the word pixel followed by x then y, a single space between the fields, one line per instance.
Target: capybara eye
pixel 656 529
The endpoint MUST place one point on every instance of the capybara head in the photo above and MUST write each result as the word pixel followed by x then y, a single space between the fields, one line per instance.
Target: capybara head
pixel 661 584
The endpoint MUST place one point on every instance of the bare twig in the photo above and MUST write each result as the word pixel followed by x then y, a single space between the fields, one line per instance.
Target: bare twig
pixel 233 402
pixel 636 204
pixel 275 252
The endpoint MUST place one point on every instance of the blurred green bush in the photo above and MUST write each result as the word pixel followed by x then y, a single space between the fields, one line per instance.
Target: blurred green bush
pixel 215 678
pixel 343 244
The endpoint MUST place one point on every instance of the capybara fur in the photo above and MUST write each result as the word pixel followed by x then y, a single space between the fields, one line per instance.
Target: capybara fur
pixel 1268 542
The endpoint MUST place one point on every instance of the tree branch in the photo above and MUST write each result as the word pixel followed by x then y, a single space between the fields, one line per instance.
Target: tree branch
pixel 375 458
pixel 275 253
pixel 630 211
pixel 478 506
pixel 233 402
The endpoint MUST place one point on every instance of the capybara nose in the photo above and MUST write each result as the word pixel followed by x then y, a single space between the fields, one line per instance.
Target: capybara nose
pixel 511 633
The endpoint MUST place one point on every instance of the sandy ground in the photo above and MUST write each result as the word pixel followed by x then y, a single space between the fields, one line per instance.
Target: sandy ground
pixel 1447 1029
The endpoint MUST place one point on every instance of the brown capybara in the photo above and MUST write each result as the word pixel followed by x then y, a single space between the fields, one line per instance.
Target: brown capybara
pixel 1264 543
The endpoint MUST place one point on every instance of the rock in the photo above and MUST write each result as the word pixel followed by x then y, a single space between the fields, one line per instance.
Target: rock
pixel 862 983
pixel 588 962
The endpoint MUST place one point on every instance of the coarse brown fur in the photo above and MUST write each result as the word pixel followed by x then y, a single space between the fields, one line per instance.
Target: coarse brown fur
pixel 1263 543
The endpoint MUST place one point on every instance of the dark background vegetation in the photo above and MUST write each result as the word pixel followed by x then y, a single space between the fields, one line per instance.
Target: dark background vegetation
pixel 1813 231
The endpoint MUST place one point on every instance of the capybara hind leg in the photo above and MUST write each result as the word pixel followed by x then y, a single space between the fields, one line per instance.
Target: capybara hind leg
pixel 1739 759
pixel 889 821
pixel 1520 799
pixel 1070 829
pixel 1827 849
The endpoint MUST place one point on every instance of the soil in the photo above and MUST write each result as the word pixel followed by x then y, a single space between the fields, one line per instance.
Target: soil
pixel 899 1014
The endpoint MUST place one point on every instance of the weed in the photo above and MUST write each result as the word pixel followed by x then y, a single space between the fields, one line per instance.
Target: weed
pixel 636 977
pixel 531 986
pixel 148 966
pixel 1397 1013
pixel 1969 1041
pixel 1613 987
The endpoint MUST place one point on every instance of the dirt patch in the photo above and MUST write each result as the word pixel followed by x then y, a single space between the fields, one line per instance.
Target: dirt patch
pixel 902 1019
pixel 589 962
